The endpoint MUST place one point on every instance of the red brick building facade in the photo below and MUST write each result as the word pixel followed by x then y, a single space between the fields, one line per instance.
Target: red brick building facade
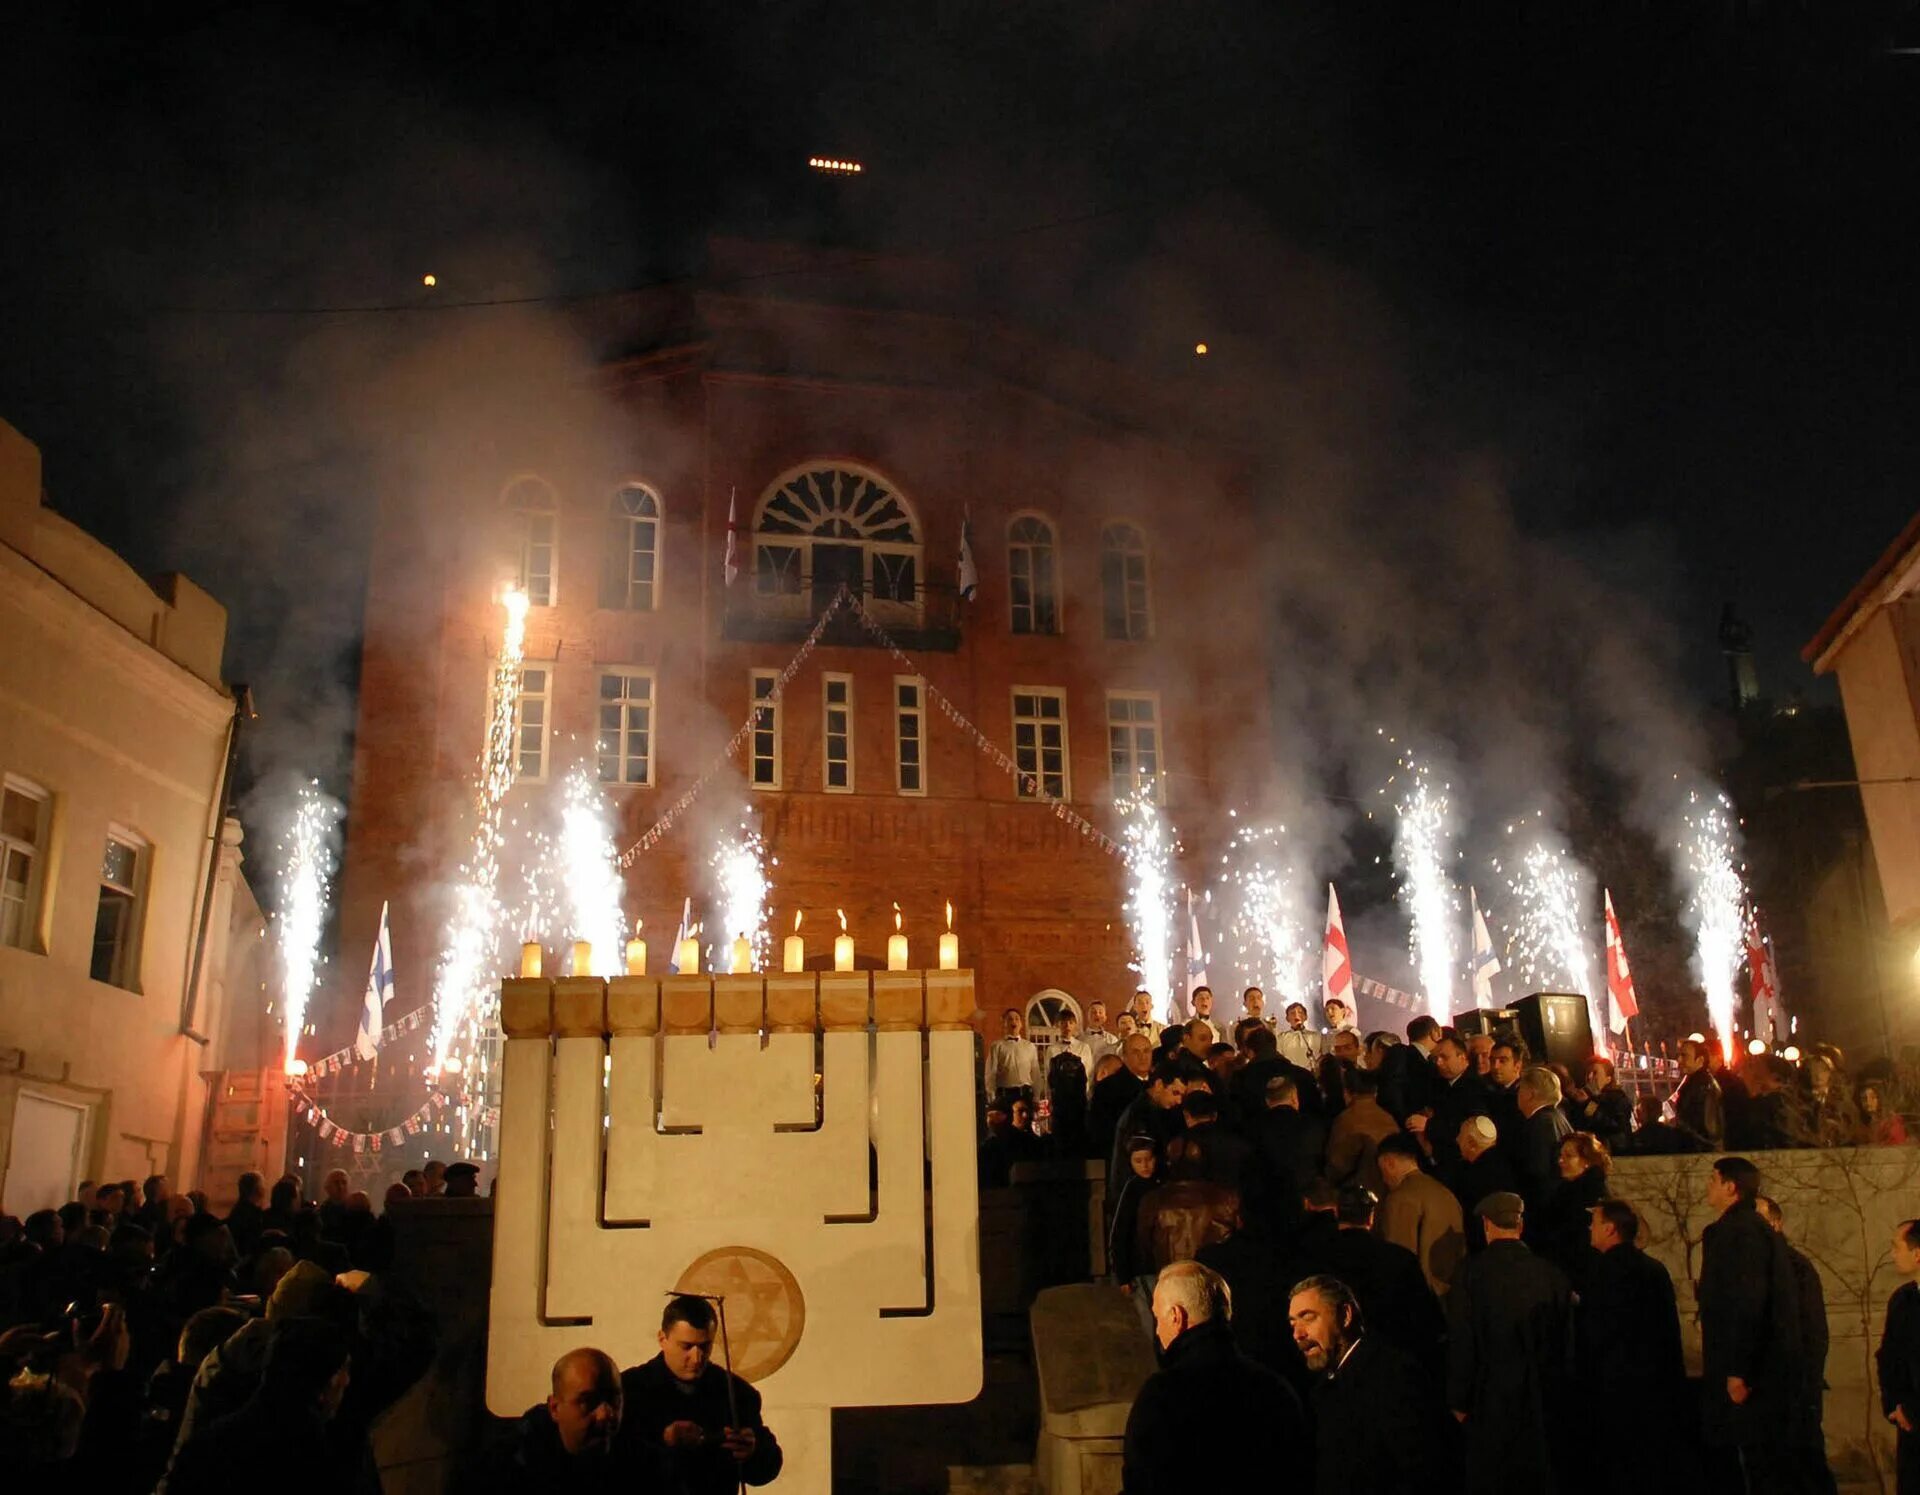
pixel 1117 616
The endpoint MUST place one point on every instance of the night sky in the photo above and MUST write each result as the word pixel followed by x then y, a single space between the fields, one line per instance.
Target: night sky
pixel 1653 266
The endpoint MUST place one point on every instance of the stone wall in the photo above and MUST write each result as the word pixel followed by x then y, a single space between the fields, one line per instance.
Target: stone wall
pixel 1840 1206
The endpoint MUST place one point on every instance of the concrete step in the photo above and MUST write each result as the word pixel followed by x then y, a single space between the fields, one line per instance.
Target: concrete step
pixel 990 1479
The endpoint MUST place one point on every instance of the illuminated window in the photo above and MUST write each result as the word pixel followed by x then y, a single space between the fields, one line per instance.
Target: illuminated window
pixel 532 721
pixel 764 769
pixel 1030 584
pixel 1125 603
pixel 837 732
pixel 909 734
pixel 626 726
pixel 116 920
pixel 1133 743
pixel 633 551
pixel 1040 742
pixel 821 527
pixel 23 843
pixel 537 508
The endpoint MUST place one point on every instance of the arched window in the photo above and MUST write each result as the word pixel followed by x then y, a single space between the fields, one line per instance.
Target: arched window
pixel 1030 584
pixel 537 509
pixel 1126 605
pixel 631 577
pixel 823 526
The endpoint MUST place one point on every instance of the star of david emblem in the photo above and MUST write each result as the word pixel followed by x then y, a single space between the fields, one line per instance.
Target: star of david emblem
pixel 765 1311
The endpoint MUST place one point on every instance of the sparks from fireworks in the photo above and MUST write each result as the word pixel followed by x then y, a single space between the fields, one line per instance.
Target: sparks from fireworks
pixel 741 886
pixel 1260 888
pixel 1716 910
pixel 308 870
pixel 463 994
pixel 590 874
pixel 1148 847
pixel 1420 855
pixel 1547 947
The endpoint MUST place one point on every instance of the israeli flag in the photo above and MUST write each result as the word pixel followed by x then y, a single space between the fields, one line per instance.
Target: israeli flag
pixel 1483 965
pixel 969 573
pixel 373 1012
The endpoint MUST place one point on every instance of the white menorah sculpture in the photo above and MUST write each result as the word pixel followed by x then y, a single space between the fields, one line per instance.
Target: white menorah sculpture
pixel 821 1178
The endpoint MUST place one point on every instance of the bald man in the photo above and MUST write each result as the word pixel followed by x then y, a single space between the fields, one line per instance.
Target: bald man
pixel 566 1443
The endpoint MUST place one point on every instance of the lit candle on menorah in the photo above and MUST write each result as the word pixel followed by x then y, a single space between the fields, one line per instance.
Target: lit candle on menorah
pixel 896 944
pixel 793 955
pixel 636 953
pixel 949 944
pixel 842 945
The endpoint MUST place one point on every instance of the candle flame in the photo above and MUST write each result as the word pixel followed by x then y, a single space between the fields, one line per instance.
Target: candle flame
pixel 896 918
pixel 949 913
pixel 843 919
pixel 798 915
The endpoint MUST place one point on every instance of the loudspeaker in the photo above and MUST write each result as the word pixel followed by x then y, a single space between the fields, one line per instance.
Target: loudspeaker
pixel 1495 1022
pixel 1555 1027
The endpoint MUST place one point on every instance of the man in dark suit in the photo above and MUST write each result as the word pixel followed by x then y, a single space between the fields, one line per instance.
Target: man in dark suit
pixel 1381 1429
pixel 1457 1094
pixel 1115 1093
pixel 1407 1080
pixel 1508 1318
pixel 697 1422
pixel 1536 1146
pixel 1808 1434
pixel 1387 1279
pixel 1290 1146
pixel 1626 1333
pixel 1751 1373
pixel 1898 1357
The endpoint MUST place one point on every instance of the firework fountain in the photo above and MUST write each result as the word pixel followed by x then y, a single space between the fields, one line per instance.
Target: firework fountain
pixel 464 982
pixel 1420 856
pixel 741 886
pixel 1259 886
pixel 1552 896
pixel 308 869
pixel 1149 852
pixel 1715 910
pixel 589 873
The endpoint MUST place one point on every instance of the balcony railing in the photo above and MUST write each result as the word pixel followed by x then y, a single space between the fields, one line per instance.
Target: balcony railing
pixel 927 620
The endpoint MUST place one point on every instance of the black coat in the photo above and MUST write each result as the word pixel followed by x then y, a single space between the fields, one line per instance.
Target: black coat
pixel 1111 1097
pixel 1490 1173
pixel 652 1400
pixel 1608 1114
pixel 1249 1087
pixel 1627 1354
pixel 1210 1419
pixel 1535 1154
pixel 1507 1369
pixel 1898 1357
pixel 1257 1277
pixel 1396 1301
pixel 1407 1082
pixel 530 1460
pixel 307 1456
pixel 1749 1328
pixel 1699 1110
pixel 1379 1427
pixel 1560 1229
pixel 1453 1102
pixel 1290 1148
pixel 1815 1333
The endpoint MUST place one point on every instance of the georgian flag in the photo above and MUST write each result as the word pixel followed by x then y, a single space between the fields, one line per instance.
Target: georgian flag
pixel 1196 955
pixel 1336 967
pixel 730 567
pixel 373 1012
pixel 1769 1017
pixel 1483 964
pixel 1621 1005
pixel 969 573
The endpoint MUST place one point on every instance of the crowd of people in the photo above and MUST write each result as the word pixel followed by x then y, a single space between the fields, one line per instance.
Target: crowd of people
pixel 149 1345
pixel 1401 1262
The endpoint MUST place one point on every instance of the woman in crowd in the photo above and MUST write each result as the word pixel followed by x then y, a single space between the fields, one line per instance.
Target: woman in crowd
pixel 1562 1236
pixel 1880 1125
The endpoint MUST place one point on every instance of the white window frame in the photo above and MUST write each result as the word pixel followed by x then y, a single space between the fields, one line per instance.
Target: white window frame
pixel 626 524
pixel 917 712
pixel 28 935
pixel 1154 783
pixel 1052 547
pixel 1145 552
pixel 545 696
pixel 1047 692
pixel 765 708
pixel 624 703
pixel 829 679
pixel 525 513
pixel 126 965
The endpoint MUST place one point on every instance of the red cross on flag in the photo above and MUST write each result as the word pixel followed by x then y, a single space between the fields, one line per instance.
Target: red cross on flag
pixel 1764 976
pixel 1336 968
pixel 1621 1005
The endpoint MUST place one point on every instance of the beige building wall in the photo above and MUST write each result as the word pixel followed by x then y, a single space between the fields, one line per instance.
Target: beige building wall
pixel 114 722
pixel 1876 669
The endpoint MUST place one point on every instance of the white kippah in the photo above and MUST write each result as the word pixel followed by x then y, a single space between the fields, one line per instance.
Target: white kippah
pixel 1483 1128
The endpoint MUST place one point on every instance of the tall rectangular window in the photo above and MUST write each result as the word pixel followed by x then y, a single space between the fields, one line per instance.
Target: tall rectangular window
pixel 1126 612
pixel 1040 741
pixel 1133 742
pixel 116 920
pixel 836 724
pixel 23 845
pixel 1030 590
pixel 764 768
pixel 626 726
pixel 909 734
pixel 532 717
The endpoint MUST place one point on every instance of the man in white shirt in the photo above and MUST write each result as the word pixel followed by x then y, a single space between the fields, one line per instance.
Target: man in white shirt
pixel 1299 1044
pixel 1067 1041
pixel 1013 1063
pixel 1098 1040
pixel 1143 1019
pixel 1200 1004
pixel 1338 1017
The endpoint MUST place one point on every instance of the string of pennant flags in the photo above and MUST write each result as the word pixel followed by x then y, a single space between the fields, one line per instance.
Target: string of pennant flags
pixel 346 1058
pixel 329 1131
